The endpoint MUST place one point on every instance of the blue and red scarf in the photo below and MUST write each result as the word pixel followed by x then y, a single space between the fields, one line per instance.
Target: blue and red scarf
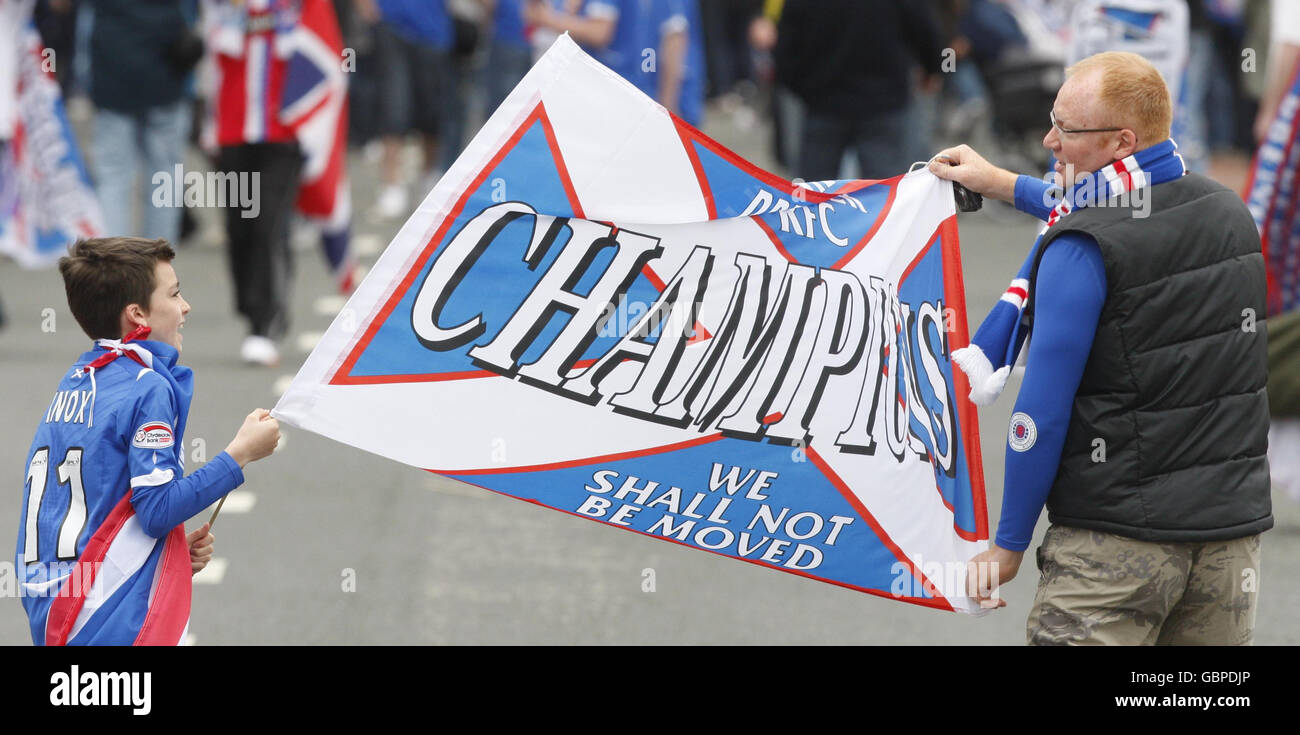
pixel 998 342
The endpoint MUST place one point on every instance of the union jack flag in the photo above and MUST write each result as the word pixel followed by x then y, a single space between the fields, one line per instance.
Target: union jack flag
pixel 315 105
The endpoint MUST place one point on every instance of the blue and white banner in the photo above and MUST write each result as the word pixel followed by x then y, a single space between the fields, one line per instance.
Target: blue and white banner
pixel 1272 197
pixel 46 198
pixel 601 310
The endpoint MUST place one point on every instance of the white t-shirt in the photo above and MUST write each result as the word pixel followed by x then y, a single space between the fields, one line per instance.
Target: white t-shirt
pixel 1286 22
pixel 1156 30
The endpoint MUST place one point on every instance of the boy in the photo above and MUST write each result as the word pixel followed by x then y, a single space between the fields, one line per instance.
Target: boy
pixel 102 543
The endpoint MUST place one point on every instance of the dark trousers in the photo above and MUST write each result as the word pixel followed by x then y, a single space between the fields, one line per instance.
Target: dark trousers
pixel 261 263
pixel 879 141
pixel 416 85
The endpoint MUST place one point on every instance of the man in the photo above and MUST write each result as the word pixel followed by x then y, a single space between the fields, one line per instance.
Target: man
pixel 142 107
pixel 1142 419
pixel 851 64
pixel 250 46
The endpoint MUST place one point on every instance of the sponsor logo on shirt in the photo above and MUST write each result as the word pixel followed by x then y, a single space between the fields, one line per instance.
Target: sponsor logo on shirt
pixel 153 435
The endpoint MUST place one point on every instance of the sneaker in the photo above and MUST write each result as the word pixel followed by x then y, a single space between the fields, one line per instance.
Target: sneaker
pixel 391 202
pixel 259 351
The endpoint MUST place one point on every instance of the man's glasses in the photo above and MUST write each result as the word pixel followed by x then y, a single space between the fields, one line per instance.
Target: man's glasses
pixel 1052 114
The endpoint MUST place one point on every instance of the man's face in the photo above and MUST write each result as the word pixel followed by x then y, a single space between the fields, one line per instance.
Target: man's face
pixel 1078 107
pixel 167 309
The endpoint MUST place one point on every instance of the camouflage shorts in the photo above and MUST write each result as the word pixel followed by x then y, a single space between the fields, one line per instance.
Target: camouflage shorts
pixel 1101 589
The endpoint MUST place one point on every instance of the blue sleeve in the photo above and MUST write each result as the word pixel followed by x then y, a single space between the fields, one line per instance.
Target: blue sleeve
pixel 671 18
pixel 601 9
pixel 1073 278
pixel 1036 197
pixel 161 495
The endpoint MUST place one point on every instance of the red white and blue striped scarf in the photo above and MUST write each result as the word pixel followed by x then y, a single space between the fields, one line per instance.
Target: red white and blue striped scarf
pixel 998 342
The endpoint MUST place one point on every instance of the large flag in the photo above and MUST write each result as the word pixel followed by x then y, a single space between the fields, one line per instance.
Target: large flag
pixel 1272 195
pixel 46 198
pixel 601 310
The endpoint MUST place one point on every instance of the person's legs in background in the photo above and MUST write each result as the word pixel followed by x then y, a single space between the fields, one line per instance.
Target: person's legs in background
pixel 393 62
pixel 822 147
pixel 164 132
pixel 281 167
pixel 507 63
pixel 916 125
pixel 884 144
pixel 116 164
pixel 1196 83
pixel 452 104
pixel 239 241
pixel 434 115
pixel 258 246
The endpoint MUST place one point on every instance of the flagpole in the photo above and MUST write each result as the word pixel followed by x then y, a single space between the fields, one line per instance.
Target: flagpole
pixel 213 520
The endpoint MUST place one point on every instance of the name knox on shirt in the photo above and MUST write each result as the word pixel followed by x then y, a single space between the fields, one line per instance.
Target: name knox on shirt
pixel 68 406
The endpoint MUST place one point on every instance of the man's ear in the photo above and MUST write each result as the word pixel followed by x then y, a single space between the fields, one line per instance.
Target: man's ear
pixel 1126 145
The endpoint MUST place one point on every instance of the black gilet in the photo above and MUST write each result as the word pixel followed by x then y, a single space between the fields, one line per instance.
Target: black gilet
pixel 1168 435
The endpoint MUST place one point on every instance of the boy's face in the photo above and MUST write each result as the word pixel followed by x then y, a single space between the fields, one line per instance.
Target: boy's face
pixel 167 309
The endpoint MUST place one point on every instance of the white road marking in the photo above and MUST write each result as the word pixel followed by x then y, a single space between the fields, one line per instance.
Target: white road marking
pixel 213 572
pixel 366 245
pixel 190 640
pixel 332 304
pixel 239 501
pixel 307 341
pixel 281 385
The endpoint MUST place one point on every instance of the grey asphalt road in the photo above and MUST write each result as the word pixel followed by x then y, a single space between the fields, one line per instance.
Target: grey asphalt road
pixel 326 544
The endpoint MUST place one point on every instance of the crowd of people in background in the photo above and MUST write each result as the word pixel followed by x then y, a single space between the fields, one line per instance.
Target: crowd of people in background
pixel 433 68
pixel 836 88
